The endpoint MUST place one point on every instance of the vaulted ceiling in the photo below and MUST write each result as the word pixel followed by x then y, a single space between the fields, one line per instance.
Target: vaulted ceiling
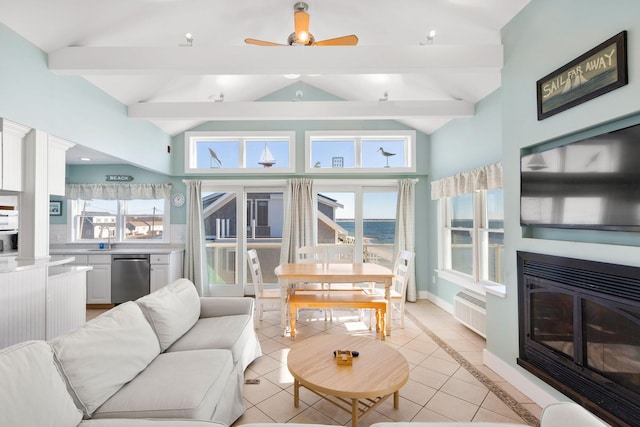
pixel 136 51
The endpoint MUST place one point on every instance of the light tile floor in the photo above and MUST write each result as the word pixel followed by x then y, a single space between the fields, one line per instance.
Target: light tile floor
pixel 447 380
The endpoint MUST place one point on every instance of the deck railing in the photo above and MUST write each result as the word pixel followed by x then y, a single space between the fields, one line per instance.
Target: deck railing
pixel 221 258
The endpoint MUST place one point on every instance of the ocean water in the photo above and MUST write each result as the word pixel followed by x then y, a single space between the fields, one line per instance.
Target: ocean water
pixel 378 231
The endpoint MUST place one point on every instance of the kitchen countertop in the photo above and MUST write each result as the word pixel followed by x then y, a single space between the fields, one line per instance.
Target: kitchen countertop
pixel 115 251
pixel 12 264
pixel 63 270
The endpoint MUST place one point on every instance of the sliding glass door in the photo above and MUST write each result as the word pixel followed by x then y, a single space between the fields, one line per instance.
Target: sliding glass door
pixel 260 209
pixel 363 215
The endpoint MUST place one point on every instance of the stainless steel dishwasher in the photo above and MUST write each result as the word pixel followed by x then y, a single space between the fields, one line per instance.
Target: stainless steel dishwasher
pixel 129 277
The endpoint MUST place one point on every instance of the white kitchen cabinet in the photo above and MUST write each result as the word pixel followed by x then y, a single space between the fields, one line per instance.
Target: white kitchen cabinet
pixel 11 153
pixel 165 268
pixel 57 154
pixel 99 279
pixel 99 285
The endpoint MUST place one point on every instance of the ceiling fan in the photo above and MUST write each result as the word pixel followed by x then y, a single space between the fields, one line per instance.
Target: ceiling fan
pixel 302 37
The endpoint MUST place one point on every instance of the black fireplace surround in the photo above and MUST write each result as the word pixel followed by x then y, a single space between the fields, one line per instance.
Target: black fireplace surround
pixel 579 327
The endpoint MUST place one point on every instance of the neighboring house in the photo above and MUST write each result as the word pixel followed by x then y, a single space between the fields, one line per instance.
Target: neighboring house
pixel 144 227
pixel 328 229
pixel 96 225
pixel 264 217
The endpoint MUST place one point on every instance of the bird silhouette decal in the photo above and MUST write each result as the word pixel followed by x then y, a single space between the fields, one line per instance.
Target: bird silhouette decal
pixel 386 155
pixel 214 156
pixel 592 160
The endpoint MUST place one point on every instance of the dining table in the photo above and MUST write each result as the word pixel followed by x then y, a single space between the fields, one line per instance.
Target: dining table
pixel 291 274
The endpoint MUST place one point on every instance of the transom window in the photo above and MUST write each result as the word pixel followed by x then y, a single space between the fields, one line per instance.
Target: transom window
pixel 360 152
pixel 239 152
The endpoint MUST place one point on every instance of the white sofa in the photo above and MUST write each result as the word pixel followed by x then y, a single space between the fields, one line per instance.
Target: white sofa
pixel 170 358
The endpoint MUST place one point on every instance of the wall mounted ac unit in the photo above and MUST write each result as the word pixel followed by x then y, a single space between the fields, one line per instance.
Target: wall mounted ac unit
pixel 470 310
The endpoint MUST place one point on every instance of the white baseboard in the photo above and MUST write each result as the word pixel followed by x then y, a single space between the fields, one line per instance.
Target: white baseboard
pixel 530 389
pixel 437 301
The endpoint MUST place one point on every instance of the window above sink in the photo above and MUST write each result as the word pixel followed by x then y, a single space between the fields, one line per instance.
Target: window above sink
pixel 120 221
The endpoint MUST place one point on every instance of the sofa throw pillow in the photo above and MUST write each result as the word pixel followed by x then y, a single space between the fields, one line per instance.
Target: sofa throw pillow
pixel 171 310
pixel 32 392
pixel 105 353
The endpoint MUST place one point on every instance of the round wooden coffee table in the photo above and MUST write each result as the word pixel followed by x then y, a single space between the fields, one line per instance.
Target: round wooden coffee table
pixel 378 372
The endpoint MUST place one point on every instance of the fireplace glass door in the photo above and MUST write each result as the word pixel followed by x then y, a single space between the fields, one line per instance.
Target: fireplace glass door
pixel 552 319
pixel 612 341
pixel 580 331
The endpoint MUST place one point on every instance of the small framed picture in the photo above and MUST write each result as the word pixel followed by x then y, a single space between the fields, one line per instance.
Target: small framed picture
pixel 55 208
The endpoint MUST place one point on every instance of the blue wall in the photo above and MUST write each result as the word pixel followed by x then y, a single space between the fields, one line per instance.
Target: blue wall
pixel 71 108
pixel 546 35
pixel 459 146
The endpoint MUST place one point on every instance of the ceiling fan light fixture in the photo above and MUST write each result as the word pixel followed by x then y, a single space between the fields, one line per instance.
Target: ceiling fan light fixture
pixel 189 38
pixel 301 35
pixel 431 36
pixel 299 95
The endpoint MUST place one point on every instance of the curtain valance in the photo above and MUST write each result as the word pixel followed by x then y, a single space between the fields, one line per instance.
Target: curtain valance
pixel 484 178
pixel 118 191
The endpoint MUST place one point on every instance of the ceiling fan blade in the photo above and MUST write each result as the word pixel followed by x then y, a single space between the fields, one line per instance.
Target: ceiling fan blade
pixel 301 21
pixel 262 42
pixel 351 40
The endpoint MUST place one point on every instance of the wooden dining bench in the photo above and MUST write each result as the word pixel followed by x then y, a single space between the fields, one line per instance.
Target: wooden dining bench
pixel 338 300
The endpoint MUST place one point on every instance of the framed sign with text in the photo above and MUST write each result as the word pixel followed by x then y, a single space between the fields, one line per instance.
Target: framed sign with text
pixel 594 73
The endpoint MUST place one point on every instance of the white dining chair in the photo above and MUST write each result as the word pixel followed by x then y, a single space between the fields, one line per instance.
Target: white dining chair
pixel 311 255
pixel 341 254
pixel 266 298
pixel 398 289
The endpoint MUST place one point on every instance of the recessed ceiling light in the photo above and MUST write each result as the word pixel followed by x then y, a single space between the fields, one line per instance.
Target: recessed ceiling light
pixel 291 76
pixel 85 159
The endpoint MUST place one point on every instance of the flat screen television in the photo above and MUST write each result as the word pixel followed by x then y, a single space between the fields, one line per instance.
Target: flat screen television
pixel 593 184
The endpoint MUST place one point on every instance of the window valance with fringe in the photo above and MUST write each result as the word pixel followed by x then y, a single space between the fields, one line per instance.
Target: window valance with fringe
pixel 484 178
pixel 118 191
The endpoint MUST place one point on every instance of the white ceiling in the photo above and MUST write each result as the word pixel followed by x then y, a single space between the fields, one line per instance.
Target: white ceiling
pixel 175 86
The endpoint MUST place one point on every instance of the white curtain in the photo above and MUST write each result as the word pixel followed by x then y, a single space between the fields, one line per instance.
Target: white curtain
pixel 195 262
pixel 484 178
pixel 117 191
pixel 300 218
pixel 405 229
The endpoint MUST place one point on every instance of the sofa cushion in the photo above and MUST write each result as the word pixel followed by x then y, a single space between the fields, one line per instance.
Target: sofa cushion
pixel 563 414
pixel 105 353
pixel 172 310
pixel 32 392
pixel 446 424
pixel 185 384
pixel 235 333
